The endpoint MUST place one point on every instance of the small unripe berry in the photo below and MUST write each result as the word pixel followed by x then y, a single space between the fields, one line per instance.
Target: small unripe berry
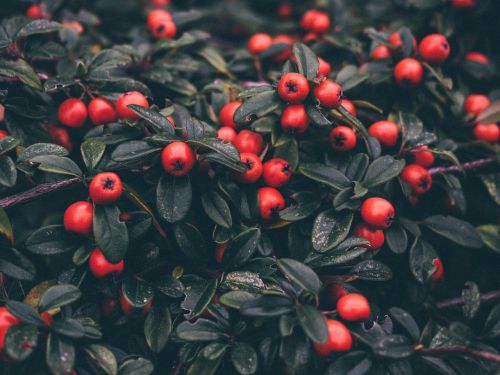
pixel 308 19
pixel 321 23
pixel 381 52
pixel 423 157
pixel 164 30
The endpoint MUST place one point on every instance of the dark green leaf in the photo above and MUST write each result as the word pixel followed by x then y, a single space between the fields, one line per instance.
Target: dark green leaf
pixel 306 204
pixel 372 270
pixel 16 265
pixel 267 306
pixel 393 347
pixel 454 229
pixel 396 238
pixel 407 321
pixel 20 341
pixel 60 354
pixel 173 197
pixel 472 299
pixel 133 152
pixel 422 255
pixel 300 274
pixel 191 242
pixel 257 106
pixel 220 146
pixel 241 248
pixel 244 358
pixel 25 313
pixel 490 235
pixel 157 327
pixel 383 169
pixel 51 240
pixel 57 164
pixel 307 61
pixel 313 323
pixel 326 175
pixel 200 330
pixel 154 118
pixel 330 228
pixel 103 357
pixel 8 171
pixel 136 366
pixel 59 295
pixel 217 209
pixel 92 151
pixel 236 298
pixel 137 292
pixel 38 27
pixel 110 233
pixel 22 70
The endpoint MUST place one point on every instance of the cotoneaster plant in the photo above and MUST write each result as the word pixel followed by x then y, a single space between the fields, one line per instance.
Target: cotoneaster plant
pixel 249 187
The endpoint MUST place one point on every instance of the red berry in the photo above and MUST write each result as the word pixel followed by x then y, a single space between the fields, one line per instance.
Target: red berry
pixel 310 37
pixel 219 252
pixel 254 168
pixel 423 157
pixel 477 57
pixel 353 307
pixel 438 274
pixel 36 12
pixel 339 339
pixel 164 29
pixel 3 134
pixel 72 112
pixel 276 172
pixel 397 43
pixel 47 318
pixel 342 138
pixel 159 3
pixel 294 119
pixel 78 218
pixel 131 97
pixel 293 88
pixel 308 19
pixel 417 177
pixel 226 114
pixel 349 107
pixel 105 188
pixel 321 23
pixel 434 48
pixel 286 53
pixel 258 43
pixel 74 25
pixel 248 141
pixel 381 52
pixel 324 68
pixel 408 72
pixel 108 306
pixel 177 158
pixel 6 321
pixel 271 202
pixel 329 94
pixel 335 291
pixel 157 15
pixel 374 236
pixel 102 111
pixel 463 4
pixel 474 104
pixel 385 131
pixel 377 212
pixel 487 132
pixel 60 136
pixel 101 267
pixel 227 133
pixel 131 311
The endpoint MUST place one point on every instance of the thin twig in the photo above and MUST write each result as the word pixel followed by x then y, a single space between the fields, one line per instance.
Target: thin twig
pixel 465 166
pixel 458 301
pixel 464 350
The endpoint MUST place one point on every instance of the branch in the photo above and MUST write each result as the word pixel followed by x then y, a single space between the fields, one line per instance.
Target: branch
pixel 458 301
pixel 459 350
pixel 465 166
pixel 38 191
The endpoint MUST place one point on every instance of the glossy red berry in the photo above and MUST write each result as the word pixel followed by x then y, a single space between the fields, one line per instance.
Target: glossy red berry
pixel 328 94
pixel 294 119
pixel 324 68
pixel 353 307
pixel 219 252
pixel 78 218
pixel 321 23
pixel 377 212
pixel 374 236
pixel 134 312
pixel 253 167
pixel 477 57
pixel 226 114
pixel 474 104
pixel 386 132
pixel 7 320
pixel 381 52
pixel 249 141
pixel 47 318
pixel 342 138
pixel 397 43
pixel 60 136
pixel 487 132
pixel 164 30
pixel 101 267
pixel 108 306
pixel 308 19
pixel 178 158
pixel 408 72
pixel 258 43
pixel 105 188
pixel 293 88
pixel 276 172
pixel 72 112
pixel 131 97
pixel 349 107
pixel 271 202
pixel 309 37
pixel 438 273
pixel 417 177
pixel 227 133
pixel 339 339
pixel 36 12
pixel 423 157
pixel 434 48
pixel 102 111
pixel 3 134
pixel 463 4
pixel 287 52
pixel 157 15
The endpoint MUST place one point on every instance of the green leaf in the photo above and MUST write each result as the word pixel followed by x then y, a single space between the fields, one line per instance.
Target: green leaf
pixel 307 61
pixel 393 347
pixel 372 270
pixel 16 265
pixel 383 169
pixel 133 152
pixel 103 357
pixel 154 118
pixel 290 152
pixel 492 325
pixel 191 242
pixel 244 358
pixel 20 341
pixel 200 330
pixel 110 233
pixel 305 204
pixel 236 298
pixel 326 175
pixel 491 114
pixel 59 295
pixel 300 274
pixel 136 366
pixel 57 164
pixel 51 240
pixel 356 362
pixel 8 144
pixel 267 306
pixel 92 152
pixel 472 299
pixel 8 171
pixel 6 226
pixel 241 248
pixel 490 235
pixel 456 230
pixel 313 323
pixel 406 320
pixel 68 327
pixel 396 238
pixel 204 366
pixel 39 149
pixel 220 146
pixel 22 70
pixel 244 280
pixel 330 228
pixel 421 256
pixel 257 106
pixel 24 312
pixel 492 184
pixel 217 209
pixel 38 27
pixel 137 292
pixel 157 327
pixel 199 294
pixel 173 197
pixel 215 58
pixel 60 354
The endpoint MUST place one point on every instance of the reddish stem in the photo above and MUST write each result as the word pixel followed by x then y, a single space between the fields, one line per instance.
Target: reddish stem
pixel 465 166
pixel 458 301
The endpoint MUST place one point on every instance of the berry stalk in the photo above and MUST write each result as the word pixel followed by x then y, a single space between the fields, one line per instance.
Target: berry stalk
pixel 465 166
